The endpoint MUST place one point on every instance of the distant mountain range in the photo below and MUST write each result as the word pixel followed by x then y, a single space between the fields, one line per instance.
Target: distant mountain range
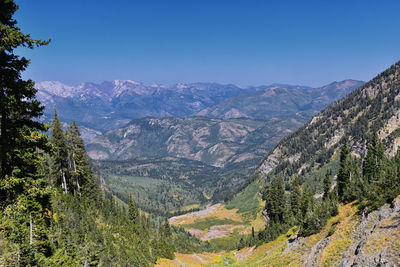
pixel 98 108
pixel 270 113
pixel 277 101
pixel 109 105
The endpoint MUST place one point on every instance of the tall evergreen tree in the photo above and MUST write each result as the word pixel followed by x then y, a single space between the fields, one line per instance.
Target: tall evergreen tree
pixel 24 195
pixel 80 170
pixel 343 176
pixel 276 200
pixel 327 185
pixel 374 159
pixel 59 168
pixel 133 212
pixel 295 200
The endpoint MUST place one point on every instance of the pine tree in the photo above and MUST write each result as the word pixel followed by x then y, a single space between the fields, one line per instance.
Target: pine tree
pixel 24 194
pixel 295 200
pixel 343 176
pixel 166 229
pixel 79 164
pixel 306 203
pixel 276 200
pixel 327 185
pixel 133 212
pixel 357 183
pixel 59 170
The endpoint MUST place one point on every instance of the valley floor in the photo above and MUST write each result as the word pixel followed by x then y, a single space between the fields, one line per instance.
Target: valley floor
pixel 348 239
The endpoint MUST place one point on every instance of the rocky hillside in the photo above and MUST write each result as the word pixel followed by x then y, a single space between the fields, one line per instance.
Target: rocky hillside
pixel 276 101
pixel 215 142
pixel 374 107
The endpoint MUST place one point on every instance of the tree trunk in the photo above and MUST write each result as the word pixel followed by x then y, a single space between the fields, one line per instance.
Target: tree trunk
pixel 64 183
pixel 78 187
pixel 31 230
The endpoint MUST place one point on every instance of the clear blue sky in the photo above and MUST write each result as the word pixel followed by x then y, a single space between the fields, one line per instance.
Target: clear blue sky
pixel 242 42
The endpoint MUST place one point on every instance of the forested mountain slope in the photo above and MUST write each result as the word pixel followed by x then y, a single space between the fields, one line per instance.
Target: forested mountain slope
pixel 216 141
pixel 374 107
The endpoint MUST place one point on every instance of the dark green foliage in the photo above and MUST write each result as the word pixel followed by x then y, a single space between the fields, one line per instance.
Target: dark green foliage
pixel 305 212
pixel 52 210
pixel 374 160
pixel 97 233
pixel 381 180
pixel 295 200
pixel 345 126
pixel 186 243
pixel 276 200
pixel 132 211
pixel 317 217
pixel 163 245
pixel 24 194
pixel 327 185
pixel 59 171
pixel 343 176
pixel 80 170
pixel 272 231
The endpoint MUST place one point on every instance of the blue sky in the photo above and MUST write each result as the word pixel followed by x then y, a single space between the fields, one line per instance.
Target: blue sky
pixel 242 42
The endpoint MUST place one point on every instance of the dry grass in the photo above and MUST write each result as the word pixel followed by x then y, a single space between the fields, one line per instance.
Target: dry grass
pixel 192 260
pixel 218 211
pixel 341 238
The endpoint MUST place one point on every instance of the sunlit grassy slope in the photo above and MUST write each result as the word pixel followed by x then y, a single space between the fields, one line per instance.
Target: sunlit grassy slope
pixel 281 252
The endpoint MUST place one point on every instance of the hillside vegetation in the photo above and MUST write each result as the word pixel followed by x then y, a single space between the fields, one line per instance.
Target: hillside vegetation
pixel 347 239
